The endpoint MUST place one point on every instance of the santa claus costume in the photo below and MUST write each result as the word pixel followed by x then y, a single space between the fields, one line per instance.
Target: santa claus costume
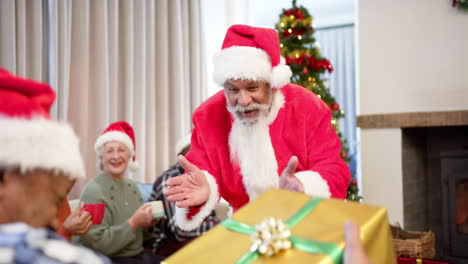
pixel 241 162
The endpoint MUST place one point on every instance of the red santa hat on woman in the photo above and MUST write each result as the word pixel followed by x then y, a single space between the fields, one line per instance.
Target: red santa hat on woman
pixel 29 138
pixel 251 53
pixel 121 132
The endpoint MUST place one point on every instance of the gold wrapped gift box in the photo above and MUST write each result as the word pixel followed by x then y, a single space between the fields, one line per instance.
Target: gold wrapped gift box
pixel 324 223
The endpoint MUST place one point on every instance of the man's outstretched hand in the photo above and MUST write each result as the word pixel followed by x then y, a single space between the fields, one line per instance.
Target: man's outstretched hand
pixel 288 180
pixel 189 189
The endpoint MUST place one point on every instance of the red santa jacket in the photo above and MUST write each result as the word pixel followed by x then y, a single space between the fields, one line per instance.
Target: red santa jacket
pixel 300 126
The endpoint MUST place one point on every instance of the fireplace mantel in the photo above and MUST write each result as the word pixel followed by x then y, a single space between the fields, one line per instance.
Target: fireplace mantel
pixel 414 119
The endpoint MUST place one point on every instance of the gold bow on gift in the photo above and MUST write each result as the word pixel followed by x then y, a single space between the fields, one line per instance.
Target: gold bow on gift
pixel 270 237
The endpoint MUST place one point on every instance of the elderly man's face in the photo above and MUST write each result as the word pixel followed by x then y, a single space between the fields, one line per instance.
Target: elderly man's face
pixel 247 99
pixel 33 197
pixel 114 158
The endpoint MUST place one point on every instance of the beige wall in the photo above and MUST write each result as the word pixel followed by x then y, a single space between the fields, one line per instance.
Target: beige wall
pixel 413 56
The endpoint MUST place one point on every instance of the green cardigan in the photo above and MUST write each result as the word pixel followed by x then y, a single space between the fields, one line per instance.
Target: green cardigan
pixel 113 237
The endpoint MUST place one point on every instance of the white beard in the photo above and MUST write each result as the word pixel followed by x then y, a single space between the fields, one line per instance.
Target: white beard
pixel 250 146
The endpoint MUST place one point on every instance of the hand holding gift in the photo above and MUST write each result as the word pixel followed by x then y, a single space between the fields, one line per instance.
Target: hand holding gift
pixel 354 251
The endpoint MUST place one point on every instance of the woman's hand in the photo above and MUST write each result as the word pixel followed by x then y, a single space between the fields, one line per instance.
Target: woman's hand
pixel 78 222
pixel 143 217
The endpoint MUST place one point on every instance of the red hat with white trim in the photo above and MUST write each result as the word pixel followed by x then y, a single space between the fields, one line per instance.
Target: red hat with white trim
pixel 121 132
pixel 29 137
pixel 251 53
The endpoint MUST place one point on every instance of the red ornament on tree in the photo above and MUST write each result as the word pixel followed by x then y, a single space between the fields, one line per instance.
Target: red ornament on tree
pixel 305 70
pixel 300 60
pixel 336 106
pixel 344 155
pixel 353 182
pixel 312 63
pixel 296 12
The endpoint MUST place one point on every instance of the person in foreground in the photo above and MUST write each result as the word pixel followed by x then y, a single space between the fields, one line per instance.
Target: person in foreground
pixel 120 235
pixel 39 162
pixel 260 132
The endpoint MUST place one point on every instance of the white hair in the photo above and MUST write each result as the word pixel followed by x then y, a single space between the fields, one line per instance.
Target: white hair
pixel 100 151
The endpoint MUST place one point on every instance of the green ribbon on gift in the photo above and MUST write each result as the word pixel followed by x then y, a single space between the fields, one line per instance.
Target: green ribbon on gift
pixel 311 246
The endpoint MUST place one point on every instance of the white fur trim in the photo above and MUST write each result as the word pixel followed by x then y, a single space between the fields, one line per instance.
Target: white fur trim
pixel 314 184
pixel 115 136
pixel 181 213
pixel 183 142
pixel 282 60
pixel 40 143
pixel 239 62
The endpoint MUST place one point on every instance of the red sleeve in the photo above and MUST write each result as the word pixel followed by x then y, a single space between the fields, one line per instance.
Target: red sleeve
pixel 324 149
pixel 62 213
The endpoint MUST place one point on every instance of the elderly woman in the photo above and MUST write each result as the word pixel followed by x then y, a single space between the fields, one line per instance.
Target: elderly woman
pixel 121 232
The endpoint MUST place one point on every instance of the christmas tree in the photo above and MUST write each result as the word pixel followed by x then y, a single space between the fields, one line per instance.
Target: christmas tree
pixel 461 4
pixel 299 48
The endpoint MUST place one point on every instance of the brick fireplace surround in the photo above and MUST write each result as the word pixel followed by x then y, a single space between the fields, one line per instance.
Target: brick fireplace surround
pixel 426 136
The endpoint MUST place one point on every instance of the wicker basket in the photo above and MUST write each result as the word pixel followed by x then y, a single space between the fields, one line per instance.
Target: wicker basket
pixel 413 244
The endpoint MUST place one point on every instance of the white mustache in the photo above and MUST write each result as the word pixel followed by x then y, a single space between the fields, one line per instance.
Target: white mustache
pixel 250 107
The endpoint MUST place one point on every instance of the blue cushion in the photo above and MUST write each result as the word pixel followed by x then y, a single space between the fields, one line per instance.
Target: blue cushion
pixel 145 190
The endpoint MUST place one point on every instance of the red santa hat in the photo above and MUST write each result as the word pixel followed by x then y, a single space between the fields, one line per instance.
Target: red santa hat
pixel 29 138
pixel 121 132
pixel 251 53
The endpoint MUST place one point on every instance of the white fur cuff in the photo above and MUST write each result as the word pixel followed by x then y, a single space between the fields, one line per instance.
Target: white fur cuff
pixel 314 184
pixel 181 219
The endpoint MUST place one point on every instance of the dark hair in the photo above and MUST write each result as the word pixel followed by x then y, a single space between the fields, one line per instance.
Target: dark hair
pixel 184 150
pixel 2 172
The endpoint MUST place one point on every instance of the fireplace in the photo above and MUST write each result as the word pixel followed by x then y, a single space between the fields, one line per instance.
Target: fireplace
pixel 435 174
pixel 434 155
pixel 455 203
